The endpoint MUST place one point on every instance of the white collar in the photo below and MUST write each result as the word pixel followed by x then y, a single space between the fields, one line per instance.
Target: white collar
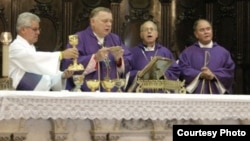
pixel 210 45
pixel 100 40
pixel 149 48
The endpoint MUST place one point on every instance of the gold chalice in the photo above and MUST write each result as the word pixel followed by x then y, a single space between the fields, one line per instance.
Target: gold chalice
pixel 108 84
pixel 73 41
pixel 119 83
pixel 93 84
pixel 78 81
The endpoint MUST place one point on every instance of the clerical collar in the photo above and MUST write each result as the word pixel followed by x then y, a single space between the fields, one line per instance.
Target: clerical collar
pixel 147 48
pixel 99 39
pixel 210 45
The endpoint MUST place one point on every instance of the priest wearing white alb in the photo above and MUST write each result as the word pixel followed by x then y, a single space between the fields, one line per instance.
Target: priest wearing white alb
pixel 31 69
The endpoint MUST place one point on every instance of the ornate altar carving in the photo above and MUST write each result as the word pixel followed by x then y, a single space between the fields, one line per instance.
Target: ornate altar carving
pixel 6 84
pixel 17 136
pixel 164 85
pixel 134 124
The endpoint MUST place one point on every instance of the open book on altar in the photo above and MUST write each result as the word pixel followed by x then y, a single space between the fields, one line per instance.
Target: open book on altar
pixel 154 70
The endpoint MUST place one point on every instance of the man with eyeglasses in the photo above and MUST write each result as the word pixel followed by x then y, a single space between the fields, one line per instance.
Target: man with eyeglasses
pixel 146 50
pixel 31 69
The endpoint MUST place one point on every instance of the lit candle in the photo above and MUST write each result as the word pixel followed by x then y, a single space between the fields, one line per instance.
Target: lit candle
pixel 5 39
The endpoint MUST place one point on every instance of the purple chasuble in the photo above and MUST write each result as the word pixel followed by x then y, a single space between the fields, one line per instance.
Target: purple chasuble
pixel 87 46
pixel 191 60
pixel 141 58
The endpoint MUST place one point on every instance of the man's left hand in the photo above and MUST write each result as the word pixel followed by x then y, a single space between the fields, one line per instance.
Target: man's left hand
pixel 207 73
pixel 117 52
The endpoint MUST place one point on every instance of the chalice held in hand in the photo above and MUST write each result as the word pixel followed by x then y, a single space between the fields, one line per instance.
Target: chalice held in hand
pixel 73 41
pixel 77 78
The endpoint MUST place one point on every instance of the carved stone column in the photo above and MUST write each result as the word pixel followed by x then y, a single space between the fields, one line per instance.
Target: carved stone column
pixel 161 135
pixel 59 130
pixel 102 129
pixel 12 130
pixel 159 132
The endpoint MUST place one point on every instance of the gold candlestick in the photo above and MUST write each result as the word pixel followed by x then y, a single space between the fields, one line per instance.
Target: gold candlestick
pixel 73 41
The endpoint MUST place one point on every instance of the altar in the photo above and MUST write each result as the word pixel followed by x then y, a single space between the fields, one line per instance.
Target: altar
pixel 93 116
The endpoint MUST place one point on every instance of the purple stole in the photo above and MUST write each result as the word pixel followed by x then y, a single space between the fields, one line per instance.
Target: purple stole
pixel 29 81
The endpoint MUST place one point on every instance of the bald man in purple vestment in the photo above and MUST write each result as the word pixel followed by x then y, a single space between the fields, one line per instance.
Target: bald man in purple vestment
pixel 206 66
pixel 95 53
pixel 148 48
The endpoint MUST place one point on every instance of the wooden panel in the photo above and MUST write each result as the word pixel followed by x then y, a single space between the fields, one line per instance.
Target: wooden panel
pixel 246 51
pixel 137 14
pixel 50 38
pixel 3 20
pixel 81 10
pixel 186 13
pixel 132 38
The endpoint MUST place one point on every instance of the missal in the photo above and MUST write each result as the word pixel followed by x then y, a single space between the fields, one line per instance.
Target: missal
pixel 155 69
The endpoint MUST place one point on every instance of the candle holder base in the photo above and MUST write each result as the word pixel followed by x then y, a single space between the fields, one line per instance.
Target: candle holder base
pixel 6 83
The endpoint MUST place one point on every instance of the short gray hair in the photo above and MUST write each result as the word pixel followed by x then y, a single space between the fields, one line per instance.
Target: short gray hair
pixel 25 19
pixel 198 21
pixel 149 21
pixel 95 11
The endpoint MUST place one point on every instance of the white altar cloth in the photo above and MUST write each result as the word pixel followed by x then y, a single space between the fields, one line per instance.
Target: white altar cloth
pixel 88 105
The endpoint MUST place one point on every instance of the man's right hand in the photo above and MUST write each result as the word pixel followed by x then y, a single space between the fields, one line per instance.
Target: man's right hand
pixel 102 54
pixel 206 73
pixel 70 53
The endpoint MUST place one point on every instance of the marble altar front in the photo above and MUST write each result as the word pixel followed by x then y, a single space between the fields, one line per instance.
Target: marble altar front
pixel 89 116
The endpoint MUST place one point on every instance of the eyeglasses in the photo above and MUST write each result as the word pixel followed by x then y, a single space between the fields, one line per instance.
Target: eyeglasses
pixel 148 29
pixel 35 29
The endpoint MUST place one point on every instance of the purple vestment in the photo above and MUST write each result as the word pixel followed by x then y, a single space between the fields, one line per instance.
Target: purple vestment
pixel 87 46
pixel 141 58
pixel 191 60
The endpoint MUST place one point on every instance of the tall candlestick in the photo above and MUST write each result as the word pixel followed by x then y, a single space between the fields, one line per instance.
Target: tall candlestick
pixel 5 38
